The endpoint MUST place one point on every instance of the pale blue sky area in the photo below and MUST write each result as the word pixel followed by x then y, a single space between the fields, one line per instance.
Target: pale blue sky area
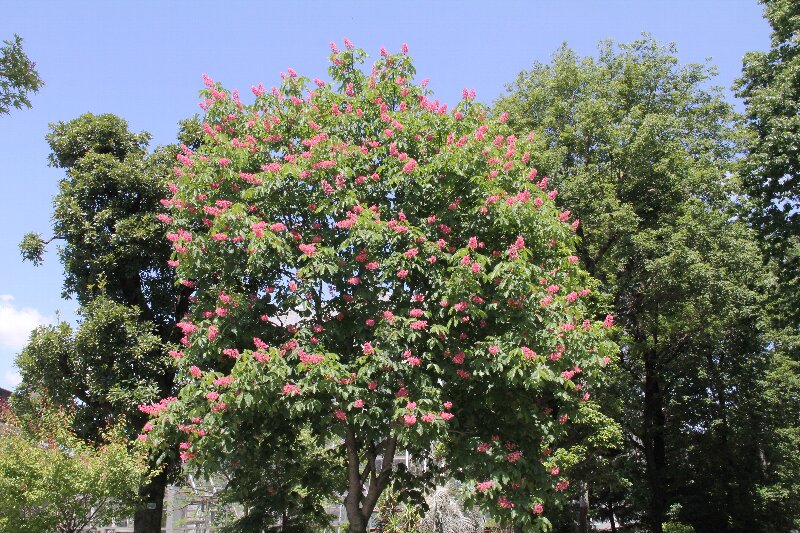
pixel 143 61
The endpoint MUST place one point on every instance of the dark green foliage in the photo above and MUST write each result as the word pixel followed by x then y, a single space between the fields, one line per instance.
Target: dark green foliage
pixel 88 134
pixel 770 88
pixel 281 476
pixel 640 149
pixel 115 259
pixel 105 214
pixel 109 365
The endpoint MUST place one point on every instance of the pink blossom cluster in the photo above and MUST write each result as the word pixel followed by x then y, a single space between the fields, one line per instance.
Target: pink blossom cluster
pixel 157 408
pixel 484 486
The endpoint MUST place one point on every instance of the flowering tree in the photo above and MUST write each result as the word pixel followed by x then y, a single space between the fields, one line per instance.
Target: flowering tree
pixel 385 273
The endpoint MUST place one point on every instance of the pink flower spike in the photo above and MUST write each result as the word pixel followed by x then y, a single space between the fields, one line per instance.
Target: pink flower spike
pixel 308 249
pixel 484 486
pixel 290 389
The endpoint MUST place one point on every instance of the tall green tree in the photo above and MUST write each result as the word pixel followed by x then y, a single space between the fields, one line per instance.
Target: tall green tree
pixel 115 260
pixel 770 173
pixel 18 76
pixel 770 88
pixel 640 150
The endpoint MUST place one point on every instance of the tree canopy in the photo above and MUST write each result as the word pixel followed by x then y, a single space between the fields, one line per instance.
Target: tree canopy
pixel 641 150
pixel 52 480
pixel 387 273
pixel 115 261
pixel 770 89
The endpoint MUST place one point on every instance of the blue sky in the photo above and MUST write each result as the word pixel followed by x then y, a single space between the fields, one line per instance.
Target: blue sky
pixel 143 61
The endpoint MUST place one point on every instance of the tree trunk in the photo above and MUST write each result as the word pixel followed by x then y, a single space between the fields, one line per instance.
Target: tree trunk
pixel 355 518
pixel 583 508
pixel 148 515
pixel 655 453
pixel 359 506
pixel 730 511
pixel 611 517
pixel 352 502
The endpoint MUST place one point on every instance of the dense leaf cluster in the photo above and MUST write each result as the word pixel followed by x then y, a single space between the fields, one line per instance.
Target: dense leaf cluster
pixel 642 151
pixel 114 258
pixel 18 77
pixel 52 480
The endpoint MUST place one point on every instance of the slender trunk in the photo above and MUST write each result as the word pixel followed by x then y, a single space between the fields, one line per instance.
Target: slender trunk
pixel 611 517
pixel 655 453
pixel 735 502
pixel 732 511
pixel 148 515
pixel 352 502
pixel 583 508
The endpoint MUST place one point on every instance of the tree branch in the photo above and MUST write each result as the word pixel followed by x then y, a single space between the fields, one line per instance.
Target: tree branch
pixel 674 349
pixel 369 468
pixel 377 485
pixel 354 494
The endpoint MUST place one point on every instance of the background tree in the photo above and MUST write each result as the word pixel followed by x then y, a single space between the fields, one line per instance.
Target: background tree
pixel 591 458
pixel 18 77
pixel 282 477
pixel 640 149
pixel 52 480
pixel 769 171
pixel 386 273
pixel 770 89
pixel 115 263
